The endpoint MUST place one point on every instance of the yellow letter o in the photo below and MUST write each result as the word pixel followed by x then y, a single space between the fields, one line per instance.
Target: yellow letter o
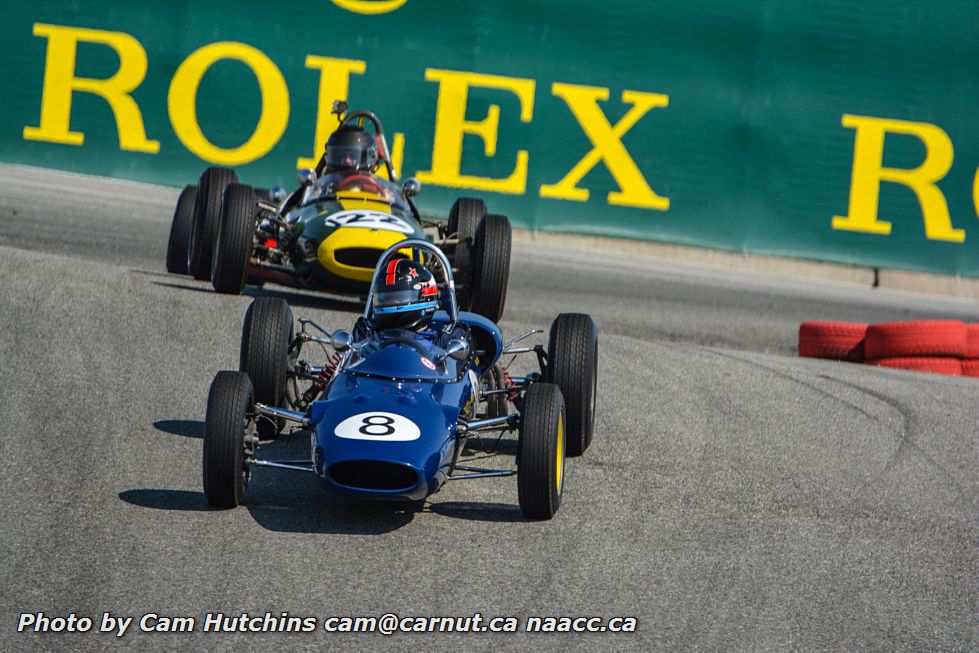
pixel 369 7
pixel 182 103
pixel 975 193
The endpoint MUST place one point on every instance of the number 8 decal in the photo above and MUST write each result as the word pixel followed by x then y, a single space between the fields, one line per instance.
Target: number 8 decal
pixel 378 427
pixel 370 423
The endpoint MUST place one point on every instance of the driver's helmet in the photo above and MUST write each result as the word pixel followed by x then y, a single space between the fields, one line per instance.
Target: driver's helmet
pixel 405 296
pixel 351 148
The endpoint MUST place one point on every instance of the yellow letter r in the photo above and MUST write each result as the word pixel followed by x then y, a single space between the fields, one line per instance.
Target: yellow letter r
pixel 60 83
pixel 869 172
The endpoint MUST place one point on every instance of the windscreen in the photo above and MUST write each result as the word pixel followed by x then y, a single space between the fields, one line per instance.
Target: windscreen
pixel 398 354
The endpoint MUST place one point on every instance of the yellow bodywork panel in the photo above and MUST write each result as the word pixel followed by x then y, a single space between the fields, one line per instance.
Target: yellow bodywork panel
pixel 358 199
pixel 350 238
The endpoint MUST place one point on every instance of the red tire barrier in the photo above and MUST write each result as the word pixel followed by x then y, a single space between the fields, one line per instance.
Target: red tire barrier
pixel 970 368
pixel 933 364
pixel 941 338
pixel 841 341
pixel 972 340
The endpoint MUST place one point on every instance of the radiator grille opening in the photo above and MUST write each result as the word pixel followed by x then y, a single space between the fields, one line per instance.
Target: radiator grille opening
pixel 373 475
pixel 358 257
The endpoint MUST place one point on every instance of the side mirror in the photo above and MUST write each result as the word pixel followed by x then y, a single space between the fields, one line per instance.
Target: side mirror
pixel 412 187
pixel 340 339
pixel 458 349
pixel 306 177
pixel 278 193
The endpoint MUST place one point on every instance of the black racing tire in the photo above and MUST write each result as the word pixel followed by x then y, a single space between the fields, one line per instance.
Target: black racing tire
pixel 496 405
pixel 265 338
pixel 464 218
pixel 491 269
pixel 207 213
pixel 541 453
pixel 235 240
pixel 183 222
pixel 572 364
pixel 225 473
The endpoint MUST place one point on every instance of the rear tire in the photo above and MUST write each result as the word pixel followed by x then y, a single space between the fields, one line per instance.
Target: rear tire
pixel 225 472
pixel 183 222
pixel 464 218
pixel 207 213
pixel 491 270
pixel 540 474
pixel 265 338
pixel 572 364
pixel 235 240
pixel 496 405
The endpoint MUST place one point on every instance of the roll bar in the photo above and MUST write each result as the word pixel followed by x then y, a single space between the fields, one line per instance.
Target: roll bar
pixel 359 117
pixel 415 243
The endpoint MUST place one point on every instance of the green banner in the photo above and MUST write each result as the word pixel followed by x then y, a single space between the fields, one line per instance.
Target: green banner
pixel 839 130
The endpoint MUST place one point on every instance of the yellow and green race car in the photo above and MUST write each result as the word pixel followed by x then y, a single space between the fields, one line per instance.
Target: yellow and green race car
pixel 327 235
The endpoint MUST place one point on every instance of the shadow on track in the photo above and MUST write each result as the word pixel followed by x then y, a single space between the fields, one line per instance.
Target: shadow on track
pixel 308 301
pixel 476 511
pixel 166 499
pixel 282 501
pixel 291 502
pixel 189 428
pixel 294 298
pixel 183 286
pixel 294 502
pixel 294 508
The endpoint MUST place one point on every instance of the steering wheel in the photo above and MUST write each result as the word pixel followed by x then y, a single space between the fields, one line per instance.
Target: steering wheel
pixel 404 340
pixel 365 183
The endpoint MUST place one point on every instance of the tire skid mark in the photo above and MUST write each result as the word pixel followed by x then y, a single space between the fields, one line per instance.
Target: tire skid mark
pixel 909 423
pixel 802 382
pixel 906 444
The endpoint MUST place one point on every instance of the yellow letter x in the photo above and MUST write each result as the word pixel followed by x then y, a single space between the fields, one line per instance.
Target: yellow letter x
pixel 607 146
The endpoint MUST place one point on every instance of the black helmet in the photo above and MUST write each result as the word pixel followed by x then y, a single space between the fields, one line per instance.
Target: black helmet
pixel 405 296
pixel 351 148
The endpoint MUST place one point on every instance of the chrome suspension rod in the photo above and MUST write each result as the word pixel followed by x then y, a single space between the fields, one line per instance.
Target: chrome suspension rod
pixel 490 423
pixel 522 336
pixel 297 466
pixel 291 415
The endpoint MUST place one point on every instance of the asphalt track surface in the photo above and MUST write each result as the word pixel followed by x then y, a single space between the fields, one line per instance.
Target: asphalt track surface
pixel 735 497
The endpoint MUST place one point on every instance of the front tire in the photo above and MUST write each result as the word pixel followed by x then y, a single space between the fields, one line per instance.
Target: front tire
pixel 491 270
pixel 265 338
pixel 183 222
pixel 572 364
pixel 235 240
pixel 225 473
pixel 207 213
pixel 540 474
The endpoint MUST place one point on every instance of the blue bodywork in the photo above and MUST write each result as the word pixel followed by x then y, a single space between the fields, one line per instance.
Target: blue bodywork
pixel 386 426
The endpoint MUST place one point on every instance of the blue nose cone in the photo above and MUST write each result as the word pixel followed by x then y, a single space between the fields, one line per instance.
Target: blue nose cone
pixel 392 444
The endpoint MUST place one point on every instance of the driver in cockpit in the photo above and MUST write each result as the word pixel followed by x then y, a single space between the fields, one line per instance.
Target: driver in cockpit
pixel 349 163
pixel 350 149
pixel 406 297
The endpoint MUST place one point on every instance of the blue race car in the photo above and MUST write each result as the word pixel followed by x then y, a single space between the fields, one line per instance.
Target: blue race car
pixel 402 395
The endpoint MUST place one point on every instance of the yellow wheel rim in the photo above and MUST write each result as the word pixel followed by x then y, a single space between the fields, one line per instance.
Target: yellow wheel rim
pixel 559 455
